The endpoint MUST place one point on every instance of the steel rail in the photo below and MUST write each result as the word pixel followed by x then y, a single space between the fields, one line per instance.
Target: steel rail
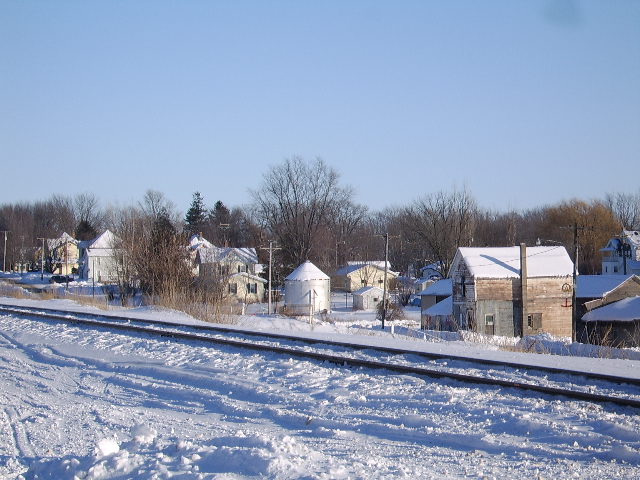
pixel 345 361
pixel 313 341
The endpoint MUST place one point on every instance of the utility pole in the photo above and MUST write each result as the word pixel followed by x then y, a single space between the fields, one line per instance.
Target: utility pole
pixel 574 311
pixel 271 249
pixel 225 228
pixel 575 282
pixel 523 287
pixel 384 282
pixel 41 259
pixel 4 257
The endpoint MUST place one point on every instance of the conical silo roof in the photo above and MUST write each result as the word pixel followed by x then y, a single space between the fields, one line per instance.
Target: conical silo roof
pixel 305 272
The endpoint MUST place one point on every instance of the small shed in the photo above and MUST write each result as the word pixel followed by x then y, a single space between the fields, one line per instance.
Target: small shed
pixel 367 298
pixel 439 316
pixel 307 290
pixel 616 324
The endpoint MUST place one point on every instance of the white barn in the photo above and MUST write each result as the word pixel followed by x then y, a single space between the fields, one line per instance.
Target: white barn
pixel 307 290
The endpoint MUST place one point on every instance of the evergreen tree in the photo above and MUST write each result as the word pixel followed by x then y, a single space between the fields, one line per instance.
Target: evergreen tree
pixel 85 231
pixel 196 215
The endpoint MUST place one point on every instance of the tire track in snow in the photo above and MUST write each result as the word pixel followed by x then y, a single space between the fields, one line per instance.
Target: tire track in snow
pixel 21 442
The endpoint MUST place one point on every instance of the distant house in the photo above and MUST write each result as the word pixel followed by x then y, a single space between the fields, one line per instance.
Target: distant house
pixel 97 258
pixel 432 295
pixel 196 243
pixel 356 275
pixel 616 324
pixel 236 267
pixel 61 255
pixel 432 271
pixel 621 256
pixel 367 298
pixel 489 292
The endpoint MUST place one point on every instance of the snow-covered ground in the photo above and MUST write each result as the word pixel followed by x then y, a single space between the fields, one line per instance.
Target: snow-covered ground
pixel 78 403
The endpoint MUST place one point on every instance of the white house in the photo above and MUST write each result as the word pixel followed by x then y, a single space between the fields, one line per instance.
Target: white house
pixel 238 267
pixel 358 274
pixel 621 256
pixel 97 260
pixel 307 290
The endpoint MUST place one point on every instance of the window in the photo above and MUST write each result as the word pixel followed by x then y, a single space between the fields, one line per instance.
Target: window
pixel 534 321
pixel 488 320
pixel 252 288
pixel 233 288
pixel 242 268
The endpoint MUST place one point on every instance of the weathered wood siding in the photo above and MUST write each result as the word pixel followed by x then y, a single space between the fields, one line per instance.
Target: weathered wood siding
pixel 548 297
pixel 548 304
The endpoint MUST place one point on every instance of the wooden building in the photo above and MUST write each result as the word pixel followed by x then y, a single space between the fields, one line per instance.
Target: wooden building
pixel 492 285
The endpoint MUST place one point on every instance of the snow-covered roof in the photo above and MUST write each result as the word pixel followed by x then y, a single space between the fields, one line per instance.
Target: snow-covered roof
pixel 307 271
pixel 197 241
pixel 440 288
pixel 632 236
pixel 367 290
pixel 54 243
pixel 355 266
pixel 504 262
pixel 104 241
pixel 443 307
pixel 625 310
pixel 225 254
pixel 597 286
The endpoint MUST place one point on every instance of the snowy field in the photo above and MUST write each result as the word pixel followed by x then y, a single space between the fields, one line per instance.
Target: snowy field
pixel 78 403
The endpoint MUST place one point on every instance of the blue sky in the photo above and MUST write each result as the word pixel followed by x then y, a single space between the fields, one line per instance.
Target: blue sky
pixel 526 103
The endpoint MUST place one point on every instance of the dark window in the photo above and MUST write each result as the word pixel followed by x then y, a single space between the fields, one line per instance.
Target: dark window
pixel 534 321
pixel 233 288
pixel 252 288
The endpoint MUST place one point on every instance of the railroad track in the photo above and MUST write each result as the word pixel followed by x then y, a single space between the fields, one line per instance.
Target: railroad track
pixel 591 387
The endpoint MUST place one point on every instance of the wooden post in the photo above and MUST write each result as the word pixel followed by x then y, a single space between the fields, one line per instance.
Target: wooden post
pixel 523 286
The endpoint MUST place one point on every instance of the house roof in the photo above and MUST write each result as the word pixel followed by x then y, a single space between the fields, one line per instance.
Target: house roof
pixel 307 271
pixel 504 262
pixel 625 310
pixel 440 288
pixel 54 243
pixel 225 254
pixel 355 266
pixel 597 286
pixel 443 307
pixel 366 290
pixel 197 241
pixel 632 237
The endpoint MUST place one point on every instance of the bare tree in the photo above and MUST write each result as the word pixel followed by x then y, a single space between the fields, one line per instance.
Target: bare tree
pixel 296 201
pixel 626 207
pixel 443 222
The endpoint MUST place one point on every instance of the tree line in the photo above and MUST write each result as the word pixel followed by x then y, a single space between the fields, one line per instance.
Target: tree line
pixel 309 214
